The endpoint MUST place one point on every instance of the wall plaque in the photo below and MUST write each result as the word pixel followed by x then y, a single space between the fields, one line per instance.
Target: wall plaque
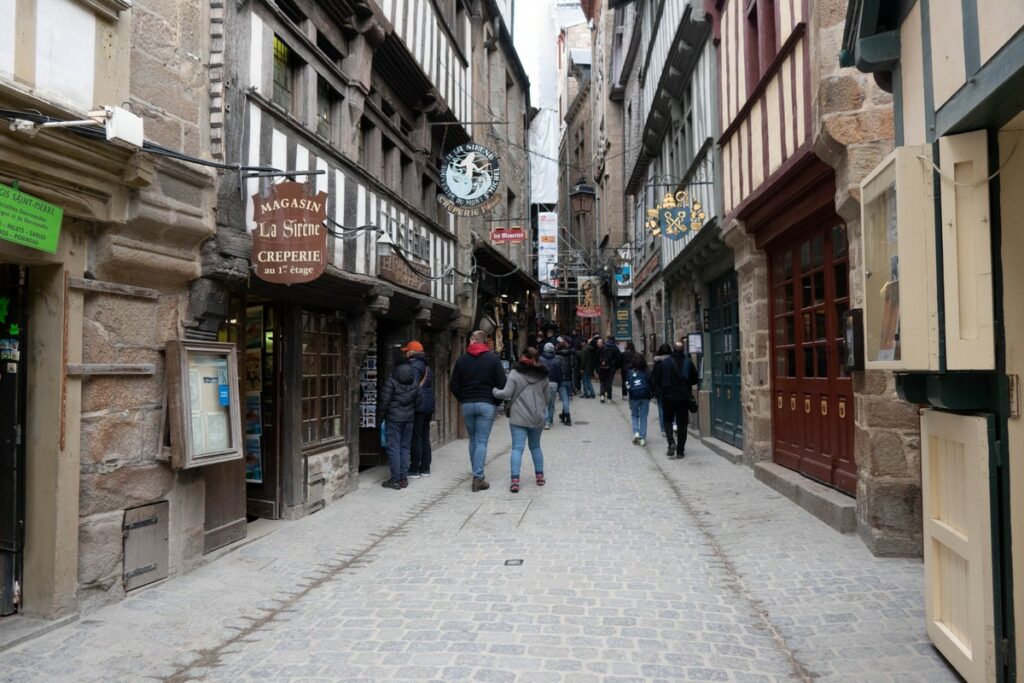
pixel 393 269
pixel 289 243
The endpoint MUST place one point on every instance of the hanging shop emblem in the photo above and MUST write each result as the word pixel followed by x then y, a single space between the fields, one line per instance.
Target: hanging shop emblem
pixel 588 302
pixel 470 175
pixel 676 216
pixel 289 243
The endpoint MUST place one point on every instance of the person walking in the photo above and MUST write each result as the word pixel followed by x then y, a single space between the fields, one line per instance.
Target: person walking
pixel 569 367
pixel 673 379
pixel 588 363
pixel 528 389
pixel 549 361
pixel 664 351
pixel 399 400
pixel 638 386
pixel 476 374
pixel 626 364
pixel 420 454
pixel 608 360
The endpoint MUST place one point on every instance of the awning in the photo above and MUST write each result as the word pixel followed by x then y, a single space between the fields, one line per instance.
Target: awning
pixel 496 266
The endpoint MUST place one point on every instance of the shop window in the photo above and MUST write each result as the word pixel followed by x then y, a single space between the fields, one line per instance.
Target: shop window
pixel 287 70
pixel 325 97
pixel 323 373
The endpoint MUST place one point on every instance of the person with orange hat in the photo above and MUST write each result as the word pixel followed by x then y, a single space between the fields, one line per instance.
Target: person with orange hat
pixel 420 454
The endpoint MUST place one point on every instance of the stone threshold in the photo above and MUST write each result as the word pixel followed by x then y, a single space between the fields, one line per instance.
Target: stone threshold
pixel 19 628
pixel 828 505
pixel 727 451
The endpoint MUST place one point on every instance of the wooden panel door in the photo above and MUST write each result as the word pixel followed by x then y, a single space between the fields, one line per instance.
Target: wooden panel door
pixel 726 413
pixel 958 540
pixel 812 403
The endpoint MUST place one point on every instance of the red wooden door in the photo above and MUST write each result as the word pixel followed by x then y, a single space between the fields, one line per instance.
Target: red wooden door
pixel 812 395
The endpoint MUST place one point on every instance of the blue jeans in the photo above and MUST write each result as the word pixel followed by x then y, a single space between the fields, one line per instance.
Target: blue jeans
pixel 661 415
pixel 588 386
pixel 520 435
pixel 565 392
pixel 638 410
pixel 479 419
pixel 399 436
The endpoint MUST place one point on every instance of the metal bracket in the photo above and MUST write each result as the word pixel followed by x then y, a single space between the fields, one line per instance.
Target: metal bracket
pixel 131 526
pixel 1013 389
pixel 141 570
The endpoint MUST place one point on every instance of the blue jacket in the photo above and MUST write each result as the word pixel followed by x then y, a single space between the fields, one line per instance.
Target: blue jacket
pixel 553 365
pixel 418 361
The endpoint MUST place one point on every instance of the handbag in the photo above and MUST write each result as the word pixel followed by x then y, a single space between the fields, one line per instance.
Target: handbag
pixel 691 403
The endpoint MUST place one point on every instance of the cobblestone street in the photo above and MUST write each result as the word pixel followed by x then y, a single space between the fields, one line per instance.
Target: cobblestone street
pixel 634 567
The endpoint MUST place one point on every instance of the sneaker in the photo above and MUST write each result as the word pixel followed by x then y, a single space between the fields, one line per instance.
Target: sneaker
pixel 414 475
pixel 480 485
pixel 602 398
pixel 403 483
pixel 636 437
pixel 514 488
pixel 643 442
pixel 424 474
pixel 391 484
pixel 540 479
pixel 547 425
pixel 671 450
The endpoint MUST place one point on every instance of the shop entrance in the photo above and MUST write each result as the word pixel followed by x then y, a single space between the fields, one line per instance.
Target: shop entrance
pixel 812 401
pixel 13 292
pixel 726 414
pixel 377 367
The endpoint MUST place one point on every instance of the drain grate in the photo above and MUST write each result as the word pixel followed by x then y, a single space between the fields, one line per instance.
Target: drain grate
pixel 513 563
pixel 581 422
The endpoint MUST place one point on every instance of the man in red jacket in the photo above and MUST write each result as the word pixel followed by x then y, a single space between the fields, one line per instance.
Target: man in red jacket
pixel 477 372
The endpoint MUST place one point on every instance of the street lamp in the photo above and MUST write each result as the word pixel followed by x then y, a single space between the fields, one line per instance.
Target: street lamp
pixel 582 196
pixel 385 245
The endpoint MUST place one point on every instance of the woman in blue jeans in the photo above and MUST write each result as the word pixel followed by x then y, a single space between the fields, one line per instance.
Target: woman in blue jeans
pixel 638 386
pixel 528 390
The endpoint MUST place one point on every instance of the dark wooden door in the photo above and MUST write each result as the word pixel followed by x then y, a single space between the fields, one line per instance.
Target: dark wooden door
pixel 726 413
pixel 812 396
pixel 261 372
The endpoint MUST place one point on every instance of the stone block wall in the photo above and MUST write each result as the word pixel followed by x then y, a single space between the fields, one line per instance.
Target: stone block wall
pixel 854 133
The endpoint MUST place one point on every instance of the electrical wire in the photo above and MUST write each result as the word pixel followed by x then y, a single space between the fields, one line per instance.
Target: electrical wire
pixel 971 186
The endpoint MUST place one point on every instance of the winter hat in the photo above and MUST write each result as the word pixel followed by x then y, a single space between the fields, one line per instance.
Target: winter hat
pixel 549 348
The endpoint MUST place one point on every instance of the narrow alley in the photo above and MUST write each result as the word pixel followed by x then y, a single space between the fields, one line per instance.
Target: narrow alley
pixel 627 565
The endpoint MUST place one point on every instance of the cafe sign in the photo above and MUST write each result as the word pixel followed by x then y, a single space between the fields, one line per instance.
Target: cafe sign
pixel 676 216
pixel 513 235
pixel 289 243
pixel 28 221
pixel 470 175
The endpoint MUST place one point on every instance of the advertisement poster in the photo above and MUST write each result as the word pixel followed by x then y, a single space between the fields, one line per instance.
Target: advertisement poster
pixel 253 371
pixel 547 245
pixel 253 460
pixel 253 414
pixel 206 375
pixel 368 392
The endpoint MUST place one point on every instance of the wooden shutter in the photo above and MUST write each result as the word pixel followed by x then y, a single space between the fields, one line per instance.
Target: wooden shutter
pixel 958 540
pixel 967 252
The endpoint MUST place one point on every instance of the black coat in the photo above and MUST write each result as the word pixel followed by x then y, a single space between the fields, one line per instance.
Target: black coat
pixel 672 378
pixel 474 377
pixel 401 394
pixel 418 361
pixel 609 357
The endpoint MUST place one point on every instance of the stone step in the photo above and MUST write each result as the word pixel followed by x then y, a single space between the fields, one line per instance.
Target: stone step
pixel 828 505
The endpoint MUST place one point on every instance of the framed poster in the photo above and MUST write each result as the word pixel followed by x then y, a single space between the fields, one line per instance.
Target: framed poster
pixel 204 412
pixel 695 342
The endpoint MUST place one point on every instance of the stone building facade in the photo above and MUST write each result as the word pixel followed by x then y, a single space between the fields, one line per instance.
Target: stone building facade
pixel 94 316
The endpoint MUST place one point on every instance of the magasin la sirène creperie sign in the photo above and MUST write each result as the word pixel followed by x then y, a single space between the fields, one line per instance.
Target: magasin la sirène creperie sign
pixel 289 244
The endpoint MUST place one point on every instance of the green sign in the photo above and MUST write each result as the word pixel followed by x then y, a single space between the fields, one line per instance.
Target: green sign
pixel 28 221
pixel 623 324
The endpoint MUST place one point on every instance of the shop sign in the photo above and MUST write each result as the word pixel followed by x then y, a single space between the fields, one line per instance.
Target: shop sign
pixel 587 303
pixel 676 216
pixel 623 323
pixel 547 246
pixel 289 243
pixel 395 270
pixel 470 175
pixel 28 221
pixel 513 235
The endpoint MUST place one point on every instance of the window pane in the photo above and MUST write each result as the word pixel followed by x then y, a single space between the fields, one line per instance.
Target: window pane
pixel 282 74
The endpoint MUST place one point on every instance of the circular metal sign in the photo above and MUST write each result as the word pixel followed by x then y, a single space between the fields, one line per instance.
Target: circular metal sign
pixel 470 175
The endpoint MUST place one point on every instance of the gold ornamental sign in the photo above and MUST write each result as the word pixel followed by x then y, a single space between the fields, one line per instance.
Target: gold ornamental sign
pixel 289 244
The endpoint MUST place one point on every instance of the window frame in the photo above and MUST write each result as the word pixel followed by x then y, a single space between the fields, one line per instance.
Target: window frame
pixel 325 325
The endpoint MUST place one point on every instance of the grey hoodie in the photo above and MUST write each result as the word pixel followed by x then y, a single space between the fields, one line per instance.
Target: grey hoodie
pixel 530 387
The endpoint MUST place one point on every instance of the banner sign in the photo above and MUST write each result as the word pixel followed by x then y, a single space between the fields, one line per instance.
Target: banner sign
pixel 676 216
pixel 547 245
pixel 513 235
pixel 470 175
pixel 28 221
pixel 623 323
pixel 588 303
pixel 289 244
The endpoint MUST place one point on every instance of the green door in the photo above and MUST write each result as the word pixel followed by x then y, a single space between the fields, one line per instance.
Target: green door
pixel 726 417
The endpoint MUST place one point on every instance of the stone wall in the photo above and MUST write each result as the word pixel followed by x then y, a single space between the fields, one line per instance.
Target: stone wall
pixel 854 134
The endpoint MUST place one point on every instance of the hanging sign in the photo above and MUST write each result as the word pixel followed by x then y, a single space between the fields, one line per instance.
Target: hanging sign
pixel 623 323
pixel 28 221
pixel 470 175
pixel 676 216
pixel 513 235
pixel 588 303
pixel 289 243
pixel 547 246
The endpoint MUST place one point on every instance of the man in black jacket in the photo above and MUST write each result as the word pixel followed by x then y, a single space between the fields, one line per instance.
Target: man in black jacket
pixel 476 373
pixel 672 380
pixel 609 358
pixel 399 400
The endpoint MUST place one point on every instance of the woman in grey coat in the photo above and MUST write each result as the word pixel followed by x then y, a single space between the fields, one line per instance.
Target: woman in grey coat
pixel 528 389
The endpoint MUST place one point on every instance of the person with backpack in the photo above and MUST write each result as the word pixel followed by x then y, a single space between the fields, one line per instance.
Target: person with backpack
pixel 609 358
pixel 638 387
pixel 399 400
pixel 420 454
pixel 673 379
pixel 588 364
pixel 528 389
pixel 626 364
pixel 569 367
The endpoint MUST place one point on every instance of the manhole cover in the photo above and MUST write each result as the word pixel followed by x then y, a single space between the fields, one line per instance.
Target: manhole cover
pixel 513 563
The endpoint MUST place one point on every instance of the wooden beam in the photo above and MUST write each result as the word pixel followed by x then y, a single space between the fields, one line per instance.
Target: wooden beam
pixel 112 288
pixel 91 369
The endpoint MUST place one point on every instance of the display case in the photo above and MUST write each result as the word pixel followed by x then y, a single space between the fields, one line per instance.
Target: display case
pixel 203 409
pixel 900 311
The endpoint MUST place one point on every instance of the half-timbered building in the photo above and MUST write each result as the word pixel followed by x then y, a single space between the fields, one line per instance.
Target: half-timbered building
pixel 953 192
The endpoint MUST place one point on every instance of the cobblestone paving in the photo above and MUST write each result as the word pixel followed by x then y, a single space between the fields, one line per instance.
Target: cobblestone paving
pixel 633 567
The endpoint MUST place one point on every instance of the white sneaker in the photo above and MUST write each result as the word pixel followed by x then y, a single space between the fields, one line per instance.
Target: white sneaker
pixel 643 442
pixel 547 425
pixel 424 474
pixel 602 398
pixel 636 437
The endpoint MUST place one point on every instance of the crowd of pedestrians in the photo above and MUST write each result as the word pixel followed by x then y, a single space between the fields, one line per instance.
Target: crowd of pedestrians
pixel 556 369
